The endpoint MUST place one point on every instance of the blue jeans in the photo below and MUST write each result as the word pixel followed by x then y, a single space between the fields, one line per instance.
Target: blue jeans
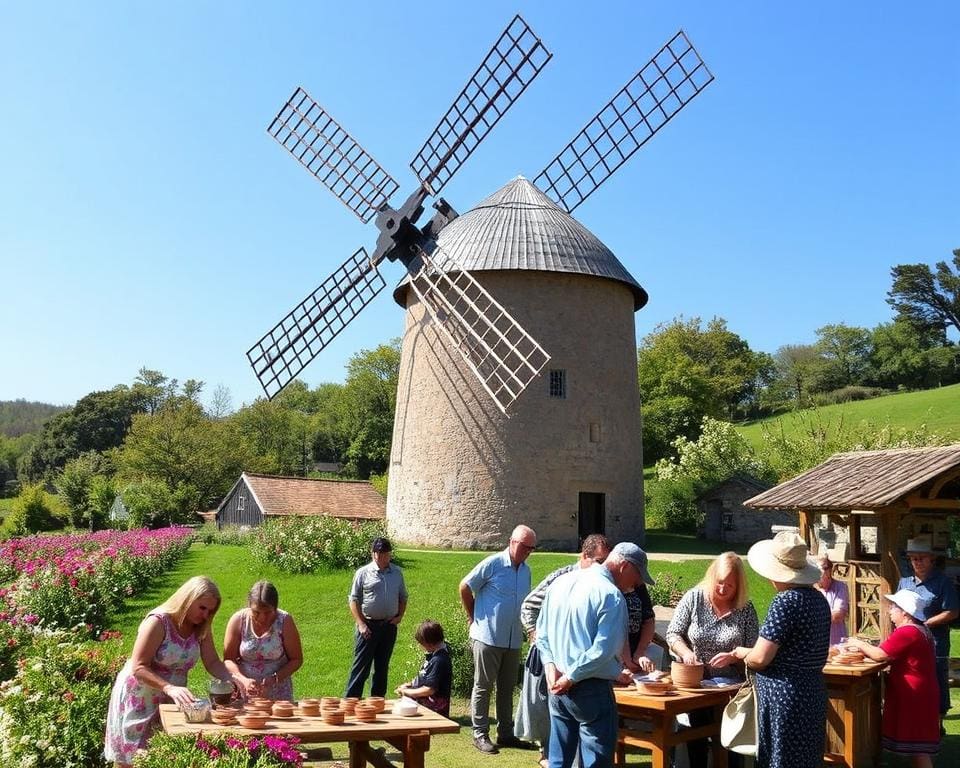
pixel 584 718
pixel 372 651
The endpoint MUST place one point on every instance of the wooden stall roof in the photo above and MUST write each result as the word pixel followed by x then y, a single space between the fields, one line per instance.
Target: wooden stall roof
pixel 299 496
pixel 864 480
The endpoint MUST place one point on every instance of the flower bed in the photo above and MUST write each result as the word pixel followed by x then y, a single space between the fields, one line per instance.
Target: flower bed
pixel 213 751
pixel 308 544
pixel 75 579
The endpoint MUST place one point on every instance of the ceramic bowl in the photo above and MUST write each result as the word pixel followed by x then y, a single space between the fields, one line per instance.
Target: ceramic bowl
pixel 253 722
pixel 406 708
pixel 282 709
pixel 686 675
pixel 333 717
pixel 198 712
pixel 377 702
pixel 653 687
pixel 365 713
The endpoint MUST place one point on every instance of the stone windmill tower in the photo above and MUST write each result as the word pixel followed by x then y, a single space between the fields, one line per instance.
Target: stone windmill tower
pixel 473 452
pixel 567 460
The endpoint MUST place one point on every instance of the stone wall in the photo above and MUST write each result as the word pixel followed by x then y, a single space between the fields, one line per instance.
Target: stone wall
pixel 463 475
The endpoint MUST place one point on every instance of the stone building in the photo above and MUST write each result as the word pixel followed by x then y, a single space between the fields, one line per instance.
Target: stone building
pixel 567 460
pixel 726 520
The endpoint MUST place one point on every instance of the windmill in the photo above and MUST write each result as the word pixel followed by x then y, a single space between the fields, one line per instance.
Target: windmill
pixel 499 352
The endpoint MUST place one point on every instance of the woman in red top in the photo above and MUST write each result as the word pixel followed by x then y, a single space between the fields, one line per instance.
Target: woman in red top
pixel 911 707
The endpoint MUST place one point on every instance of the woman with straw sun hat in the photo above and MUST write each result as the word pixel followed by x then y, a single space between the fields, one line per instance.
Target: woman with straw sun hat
pixel 789 655
pixel 911 713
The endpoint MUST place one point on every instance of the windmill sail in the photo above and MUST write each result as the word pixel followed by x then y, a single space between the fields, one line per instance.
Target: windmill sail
pixel 663 87
pixel 292 343
pixel 324 148
pixel 502 355
pixel 515 60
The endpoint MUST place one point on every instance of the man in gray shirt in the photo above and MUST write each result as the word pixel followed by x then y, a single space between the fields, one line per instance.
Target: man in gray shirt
pixel 378 599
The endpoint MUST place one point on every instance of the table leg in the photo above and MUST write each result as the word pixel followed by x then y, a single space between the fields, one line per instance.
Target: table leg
pixel 358 754
pixel 413 746
pixel 850 734
pixel 719 753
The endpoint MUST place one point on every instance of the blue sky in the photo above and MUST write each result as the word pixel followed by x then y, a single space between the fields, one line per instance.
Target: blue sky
pixel 146 217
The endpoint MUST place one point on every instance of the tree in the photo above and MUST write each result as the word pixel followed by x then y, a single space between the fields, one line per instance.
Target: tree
pixel 845 350
pixel 801 366
pixel 686 372
pixel 926 298
pixel 369 401
pixel 73 485
pixel 912 357
pixel 194 456
pixel 98 422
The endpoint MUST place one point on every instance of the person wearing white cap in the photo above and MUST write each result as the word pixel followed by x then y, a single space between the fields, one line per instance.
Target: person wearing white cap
pixel 911 704
pixel 943 607
pixel 789 655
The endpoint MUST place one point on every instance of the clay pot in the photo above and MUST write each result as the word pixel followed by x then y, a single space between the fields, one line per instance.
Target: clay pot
pixel 254 722
pixel 686 675
pixel 653 687
pixel 365 713
pixel 333 717
pixel 282 709
pixel 378 702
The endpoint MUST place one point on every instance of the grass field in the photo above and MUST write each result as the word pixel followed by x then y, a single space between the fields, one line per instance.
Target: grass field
pixel 938 409
pixel 318 603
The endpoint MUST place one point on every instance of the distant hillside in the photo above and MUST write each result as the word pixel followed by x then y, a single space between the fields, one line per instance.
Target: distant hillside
pixel 18 417
pixel 937 409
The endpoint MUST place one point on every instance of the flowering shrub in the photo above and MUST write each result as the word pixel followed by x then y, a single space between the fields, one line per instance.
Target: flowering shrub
pixel 304 545
pixel 70 580
pixel 219 751
pixel 52 710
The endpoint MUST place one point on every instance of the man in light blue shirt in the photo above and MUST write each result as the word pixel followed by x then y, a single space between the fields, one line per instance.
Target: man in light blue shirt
pixel 492 594
pixel 580 633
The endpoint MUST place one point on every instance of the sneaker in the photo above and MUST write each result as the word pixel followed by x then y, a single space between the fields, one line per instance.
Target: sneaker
pixel 484 744
pixel 514 742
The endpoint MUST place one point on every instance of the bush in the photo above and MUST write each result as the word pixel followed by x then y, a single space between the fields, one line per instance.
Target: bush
pixel 848 395
pixel 52 711
pixel 304 545
pixel 671 505
pixel 229 536
pixel 34 510
pixel 219 751
pixel 667 591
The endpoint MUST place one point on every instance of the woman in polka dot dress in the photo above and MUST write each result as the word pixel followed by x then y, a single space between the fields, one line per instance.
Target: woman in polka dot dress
pixel 789 655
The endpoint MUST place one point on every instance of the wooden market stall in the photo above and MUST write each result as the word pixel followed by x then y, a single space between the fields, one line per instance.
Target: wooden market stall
pixel 862 507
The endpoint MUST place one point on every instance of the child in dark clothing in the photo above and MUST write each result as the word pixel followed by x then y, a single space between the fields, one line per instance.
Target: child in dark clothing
pixel 431 687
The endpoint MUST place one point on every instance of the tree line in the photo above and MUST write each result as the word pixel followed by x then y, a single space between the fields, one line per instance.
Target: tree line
pixel 688 371
pixel 168 455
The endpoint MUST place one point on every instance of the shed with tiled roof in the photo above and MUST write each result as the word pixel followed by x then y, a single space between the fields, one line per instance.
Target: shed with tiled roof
pixel 255 497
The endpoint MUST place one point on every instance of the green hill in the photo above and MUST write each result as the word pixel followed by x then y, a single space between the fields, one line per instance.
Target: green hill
pixel 936 409
pixel 19 417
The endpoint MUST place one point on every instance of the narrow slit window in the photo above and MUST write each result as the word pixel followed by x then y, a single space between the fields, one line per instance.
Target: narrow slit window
pixel 558 383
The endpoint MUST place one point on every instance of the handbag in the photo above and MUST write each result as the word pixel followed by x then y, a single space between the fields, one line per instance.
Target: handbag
pixel 738 727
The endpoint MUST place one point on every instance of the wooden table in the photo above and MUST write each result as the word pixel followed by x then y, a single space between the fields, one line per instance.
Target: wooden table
pixel 661 712
pixel 853 713
pixel 411 735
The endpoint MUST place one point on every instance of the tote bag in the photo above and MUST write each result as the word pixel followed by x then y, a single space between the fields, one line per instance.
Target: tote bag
pixel 738 728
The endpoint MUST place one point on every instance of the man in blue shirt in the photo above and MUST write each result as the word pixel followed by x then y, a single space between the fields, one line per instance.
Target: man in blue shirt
pixel 492 594
pixel 943 607
pixel 581 633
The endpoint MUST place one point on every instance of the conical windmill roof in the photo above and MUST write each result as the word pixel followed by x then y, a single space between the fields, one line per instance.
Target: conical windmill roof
pixel 519 227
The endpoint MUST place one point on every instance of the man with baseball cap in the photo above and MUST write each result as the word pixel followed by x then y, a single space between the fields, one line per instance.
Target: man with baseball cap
pixel 581 633
pixel 378 599
pixel 943 606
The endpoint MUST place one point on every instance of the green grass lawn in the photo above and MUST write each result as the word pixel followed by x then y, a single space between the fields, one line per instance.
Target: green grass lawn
pixel 938 409
pixel 318 602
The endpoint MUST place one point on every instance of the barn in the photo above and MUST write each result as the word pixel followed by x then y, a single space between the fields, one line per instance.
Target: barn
pixel 567 459
pixel 254 497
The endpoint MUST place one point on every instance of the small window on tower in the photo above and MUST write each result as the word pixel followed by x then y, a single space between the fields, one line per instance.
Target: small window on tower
pixel 558 383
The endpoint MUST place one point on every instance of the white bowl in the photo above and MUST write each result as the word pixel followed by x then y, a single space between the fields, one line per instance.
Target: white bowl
pixel 406 709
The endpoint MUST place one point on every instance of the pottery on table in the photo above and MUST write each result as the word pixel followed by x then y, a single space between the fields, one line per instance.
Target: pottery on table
pixel 653 687
pixel 197 712
pixel 253 722
pixel 686 675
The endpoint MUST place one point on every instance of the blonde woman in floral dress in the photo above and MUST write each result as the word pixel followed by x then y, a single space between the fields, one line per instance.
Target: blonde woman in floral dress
pixel 262 647
pixel 169 642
